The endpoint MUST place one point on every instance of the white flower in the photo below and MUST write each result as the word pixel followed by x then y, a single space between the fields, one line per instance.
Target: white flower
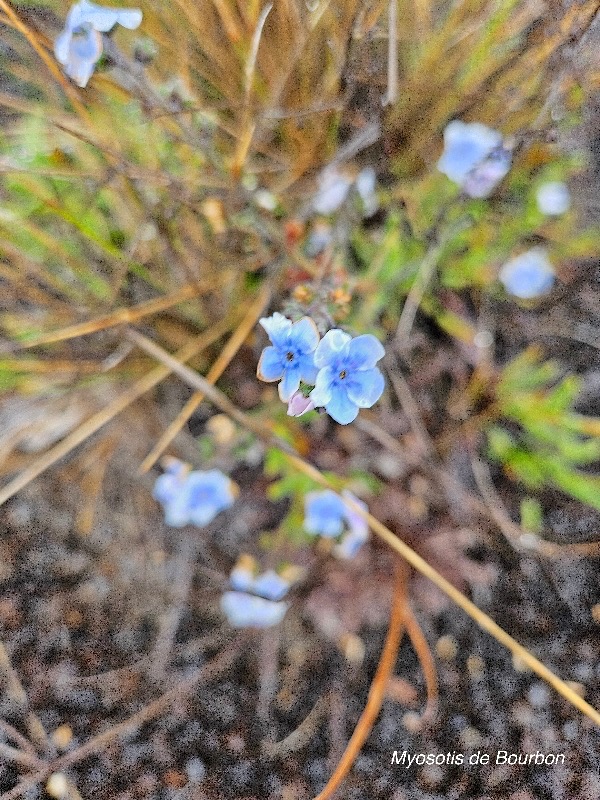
pixel 79 47
pixel 553 198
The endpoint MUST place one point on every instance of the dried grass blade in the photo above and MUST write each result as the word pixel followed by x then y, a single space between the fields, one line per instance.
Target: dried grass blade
pixel 105 415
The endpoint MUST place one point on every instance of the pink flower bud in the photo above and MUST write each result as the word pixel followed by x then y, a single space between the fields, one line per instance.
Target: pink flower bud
pixel 299 405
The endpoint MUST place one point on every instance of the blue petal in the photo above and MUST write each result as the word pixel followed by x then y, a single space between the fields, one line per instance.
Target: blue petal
pixel 359 527
pixel 241 579
pixel 61 46
pixel 290 382
pixel 208 494
pixel 277 328
pixel 332 347
pixel 166 488
pixel 308 371
pixel 365 387
pixel 364 352
pixel 271 585
pixel 103 19
pixel 304 336
pixel 341 408
pixel 177 511
pixel 321 394
pixel 271 365
pixel 243 610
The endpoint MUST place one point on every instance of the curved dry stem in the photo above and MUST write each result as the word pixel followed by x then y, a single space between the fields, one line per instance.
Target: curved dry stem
pixel 426 660
pixel 377 691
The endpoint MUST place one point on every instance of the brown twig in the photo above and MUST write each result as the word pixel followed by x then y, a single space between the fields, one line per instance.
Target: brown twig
pixel 426 660
pixel 377 691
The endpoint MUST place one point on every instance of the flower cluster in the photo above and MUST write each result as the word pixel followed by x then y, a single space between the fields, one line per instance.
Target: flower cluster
pixel 79 46
pixel 528 275
pixel 192 498
pixel 255 600
pixel 474 157
pixel 327 514
pixel 341 369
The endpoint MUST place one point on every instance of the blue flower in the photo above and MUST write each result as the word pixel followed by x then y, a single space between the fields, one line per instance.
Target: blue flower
pixel 290 358
pixel 474 157
pixel 358 529
pixel 528 275
pixel 247 611
pixel 348 378
pixel 244 609
pixel 192 497
pixel 79 47
pixel 326 514
pixel 553 198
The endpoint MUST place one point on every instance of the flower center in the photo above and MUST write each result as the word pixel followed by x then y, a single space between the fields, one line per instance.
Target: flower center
pixel 343 374
pixel 289 356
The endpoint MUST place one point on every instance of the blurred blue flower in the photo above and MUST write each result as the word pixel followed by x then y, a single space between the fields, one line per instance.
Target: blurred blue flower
pixel 348 378
pixel 326 514
pixel 358 529
pixel 290 358
pixel 192 497
pixel 553 198
pixel 79 46
pixel 473 157
pixel 247 611
pixel 244 609
pixel 333 190
pixel 528 275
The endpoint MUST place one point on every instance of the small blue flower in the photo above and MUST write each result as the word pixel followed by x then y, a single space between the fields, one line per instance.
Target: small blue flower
pixel 358 529
pixel 247 611
pixel 243 609
pixel 528 275
pixel 192 497
pixel 326 514
pixel 473 157
pixel 79 47
pixel 333 190
pixel 348 378
pixel 290 358
pixel 553 198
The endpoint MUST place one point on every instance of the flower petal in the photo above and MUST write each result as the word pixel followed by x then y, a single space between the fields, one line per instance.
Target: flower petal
pixel 103 19
pixel 365 387
pixel 243 611
pixel 306 366
pixel 290 382
pixel 364 352
pixel 271 365
pixel 324 513
pixel 61 46
pixel 271 585
pixel 528 275
pixel 277 328
pixel 332 347
pixel 304 336
pixel 341 408
pixel 321 394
